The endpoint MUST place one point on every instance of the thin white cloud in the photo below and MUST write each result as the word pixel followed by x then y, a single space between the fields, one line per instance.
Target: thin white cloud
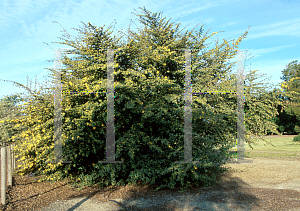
pixel 282 28
pixel 193 7
pixel 230 23
pixel 260 52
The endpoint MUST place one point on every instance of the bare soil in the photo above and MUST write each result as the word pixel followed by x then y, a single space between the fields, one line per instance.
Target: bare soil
pixel 269 183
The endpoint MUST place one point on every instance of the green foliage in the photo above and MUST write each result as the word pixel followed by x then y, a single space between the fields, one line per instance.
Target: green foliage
pixel 288 117
pixel 260 108
pixel 9 111
pixel 284 122
pixel 297 138
pixel 291 85
pixel 31 121
pixel 149 110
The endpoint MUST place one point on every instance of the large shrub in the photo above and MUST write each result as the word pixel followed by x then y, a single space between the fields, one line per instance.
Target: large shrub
pixel 149 111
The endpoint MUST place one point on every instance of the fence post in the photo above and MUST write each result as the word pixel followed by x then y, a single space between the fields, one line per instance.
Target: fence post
pixel 7 161
pixel 9 167
pixel 13 159
pixel 3 175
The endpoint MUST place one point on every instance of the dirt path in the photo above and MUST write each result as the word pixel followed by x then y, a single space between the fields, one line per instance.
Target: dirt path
pixel 269 183
pixel 269 173
pixel 264 184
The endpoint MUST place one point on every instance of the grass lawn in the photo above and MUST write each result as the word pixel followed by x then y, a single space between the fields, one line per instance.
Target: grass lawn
pixel 283 147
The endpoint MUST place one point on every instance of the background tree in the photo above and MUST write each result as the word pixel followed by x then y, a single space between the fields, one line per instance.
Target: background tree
pixel 285 122
pixel 149 109
pixel 259 108
pixel 291 84
pixel 9 111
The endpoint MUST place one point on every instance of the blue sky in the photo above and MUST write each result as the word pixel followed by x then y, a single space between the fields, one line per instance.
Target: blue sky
pixel 25 25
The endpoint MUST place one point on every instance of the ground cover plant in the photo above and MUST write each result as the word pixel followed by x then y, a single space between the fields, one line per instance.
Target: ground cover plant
pixel 149 110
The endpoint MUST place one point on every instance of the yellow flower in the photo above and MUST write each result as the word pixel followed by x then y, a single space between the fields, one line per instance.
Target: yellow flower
pixel 195 167
pixel 94 128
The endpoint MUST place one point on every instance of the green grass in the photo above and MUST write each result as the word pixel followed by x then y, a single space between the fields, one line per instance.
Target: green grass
pixel 283 147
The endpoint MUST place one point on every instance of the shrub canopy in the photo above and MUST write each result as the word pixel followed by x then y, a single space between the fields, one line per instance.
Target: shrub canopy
pixel 149 109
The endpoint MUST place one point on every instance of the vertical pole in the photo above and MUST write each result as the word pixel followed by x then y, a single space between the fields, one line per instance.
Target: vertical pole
pixel 188 147
pixel 58 109
pixel 9 169
pixel 110 137
pixel 13 158
pixel 3 175
pixel 240 106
